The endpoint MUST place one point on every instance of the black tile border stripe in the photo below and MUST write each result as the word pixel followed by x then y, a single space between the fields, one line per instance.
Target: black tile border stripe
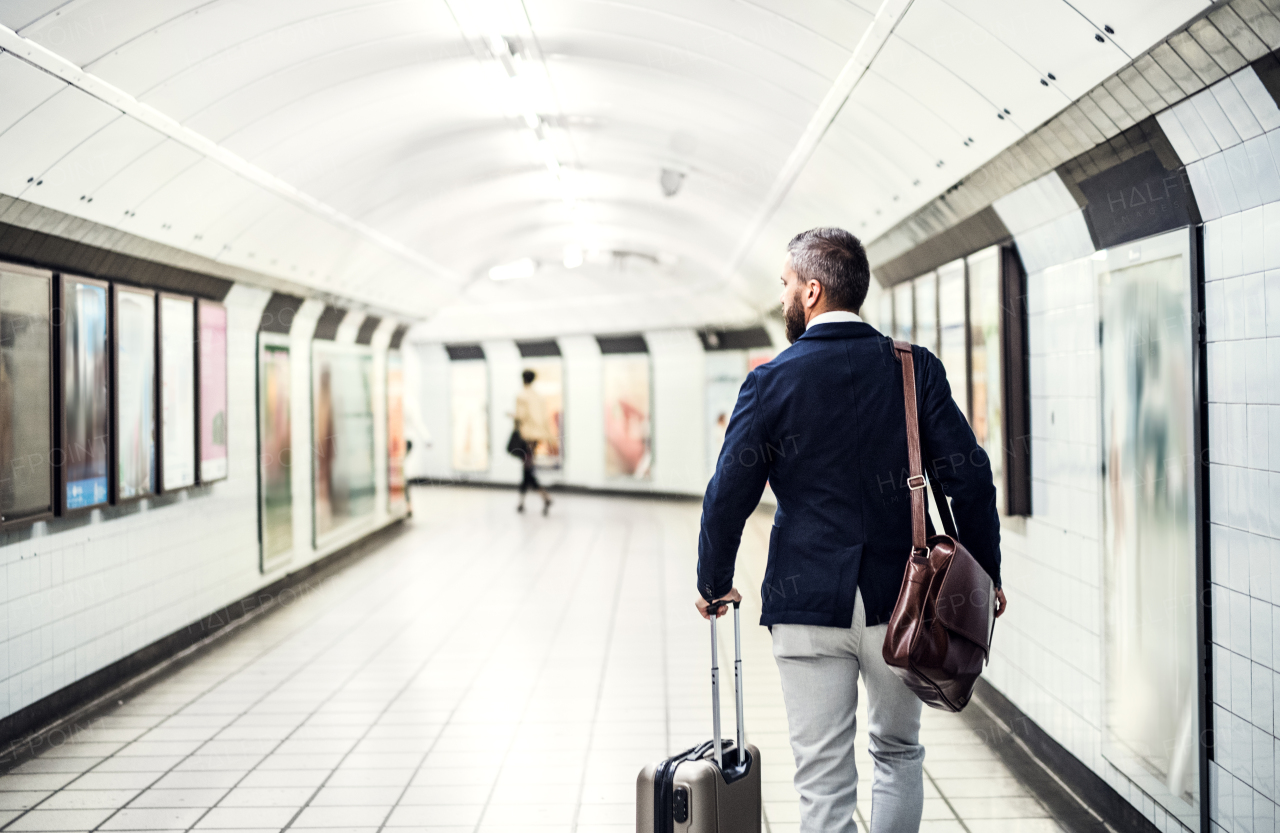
pixel 1076 796
pixel 30 730
pixel 58 254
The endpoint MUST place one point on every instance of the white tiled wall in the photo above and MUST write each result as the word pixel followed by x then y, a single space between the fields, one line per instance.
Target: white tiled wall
pixel 1242 308
pixel 1047 223
pixel 73 600
pixel 1048 649
pixel 1229 137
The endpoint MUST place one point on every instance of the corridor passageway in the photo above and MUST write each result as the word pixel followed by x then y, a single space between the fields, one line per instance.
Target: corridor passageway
pixel 268 266
pixel 480 671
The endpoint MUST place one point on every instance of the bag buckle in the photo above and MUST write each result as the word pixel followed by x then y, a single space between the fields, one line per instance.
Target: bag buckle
pixel 912 485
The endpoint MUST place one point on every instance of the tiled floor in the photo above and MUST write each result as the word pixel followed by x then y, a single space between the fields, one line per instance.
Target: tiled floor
pixel 485 671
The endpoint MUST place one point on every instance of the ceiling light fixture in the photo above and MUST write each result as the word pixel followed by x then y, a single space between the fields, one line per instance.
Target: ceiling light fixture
pixel 572 257
pixel 527 86
pixel 525 267
pixel 502 29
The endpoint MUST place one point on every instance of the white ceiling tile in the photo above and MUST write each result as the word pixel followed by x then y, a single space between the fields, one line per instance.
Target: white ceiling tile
pixel 1138 24
pixel 1050 37
pixel 386 114
pixel 76 178
pixel 16 14
pixel 46 134
pixel 996 72
pixel 83 31
pixel 197 59
pixel 171 205
pixel 139 179
pixel 23 88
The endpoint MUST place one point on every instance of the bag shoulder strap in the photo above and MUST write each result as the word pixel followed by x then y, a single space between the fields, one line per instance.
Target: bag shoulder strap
pixel 915 469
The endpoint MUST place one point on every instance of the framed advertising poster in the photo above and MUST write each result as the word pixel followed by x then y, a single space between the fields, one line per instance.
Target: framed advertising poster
pixel 343 467
pixel 135 394
pixel 1147 483
pixel 469 409
pixel 396 498
pixel 85 386
pixel 213 390
pixel 726 371
pixel 628 444
pixel 275 451
pixel 26 395
pixel 177 391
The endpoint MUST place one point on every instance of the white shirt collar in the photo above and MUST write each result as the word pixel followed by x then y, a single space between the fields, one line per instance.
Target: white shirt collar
pixel 835 316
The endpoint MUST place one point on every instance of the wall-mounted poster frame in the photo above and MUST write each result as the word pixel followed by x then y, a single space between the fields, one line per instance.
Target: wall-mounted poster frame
pixel 628 415
pixel 343 488
pixel 469 413
pixel 397 498
pixel 27 344
pixel 84 392
pixel 1149 494
pixel 274 399
pixel 134 411
pixel 211 390
pixel 178 412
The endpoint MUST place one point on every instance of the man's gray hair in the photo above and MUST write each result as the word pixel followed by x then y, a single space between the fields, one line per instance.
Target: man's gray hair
pixel 834 258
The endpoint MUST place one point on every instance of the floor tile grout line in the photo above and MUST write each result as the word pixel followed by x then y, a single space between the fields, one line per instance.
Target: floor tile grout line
pixel 444 712
pixel 453 711
pixel 407 588
pixel 257 657
pixel 945 800
pixel 302 666
pixel 604 672
pixel 564 614
pixel 1027 750
pixel 364 735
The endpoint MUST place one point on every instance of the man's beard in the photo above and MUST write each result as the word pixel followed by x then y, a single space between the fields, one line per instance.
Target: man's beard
pixel 793 317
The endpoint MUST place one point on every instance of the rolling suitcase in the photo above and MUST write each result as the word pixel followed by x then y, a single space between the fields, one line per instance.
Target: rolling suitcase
pixel 711 788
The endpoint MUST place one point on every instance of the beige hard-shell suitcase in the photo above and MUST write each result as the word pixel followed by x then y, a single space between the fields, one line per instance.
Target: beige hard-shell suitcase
pixel 710 788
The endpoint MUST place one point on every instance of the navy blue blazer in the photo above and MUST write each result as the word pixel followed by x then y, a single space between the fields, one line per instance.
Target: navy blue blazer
pixel 824 424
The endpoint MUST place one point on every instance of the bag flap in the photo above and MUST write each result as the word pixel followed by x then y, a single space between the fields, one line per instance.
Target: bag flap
pixel 966 599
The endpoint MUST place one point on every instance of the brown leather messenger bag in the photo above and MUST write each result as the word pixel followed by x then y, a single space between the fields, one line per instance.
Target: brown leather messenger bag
pixel 940 632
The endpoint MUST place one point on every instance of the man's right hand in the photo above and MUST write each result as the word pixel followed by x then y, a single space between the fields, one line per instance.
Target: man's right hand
pixel 703 605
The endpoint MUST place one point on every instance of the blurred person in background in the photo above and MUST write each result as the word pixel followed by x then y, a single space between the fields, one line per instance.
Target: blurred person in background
pixel 533 427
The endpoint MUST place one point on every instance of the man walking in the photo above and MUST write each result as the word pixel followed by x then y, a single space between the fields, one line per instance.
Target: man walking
pixel 824 425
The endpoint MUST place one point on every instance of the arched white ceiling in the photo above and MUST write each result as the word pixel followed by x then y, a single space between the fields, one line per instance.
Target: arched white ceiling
pixel 382 149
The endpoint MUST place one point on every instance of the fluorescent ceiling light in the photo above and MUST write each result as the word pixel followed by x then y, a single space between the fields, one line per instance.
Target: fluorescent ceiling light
pixel 572 257
pixel 522 268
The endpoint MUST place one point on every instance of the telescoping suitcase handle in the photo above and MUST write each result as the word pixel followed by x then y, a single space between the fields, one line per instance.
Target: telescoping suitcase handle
pixel 713 609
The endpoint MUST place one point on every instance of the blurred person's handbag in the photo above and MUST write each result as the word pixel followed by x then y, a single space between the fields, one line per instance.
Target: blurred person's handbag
pixel 940 632
pixel 517 446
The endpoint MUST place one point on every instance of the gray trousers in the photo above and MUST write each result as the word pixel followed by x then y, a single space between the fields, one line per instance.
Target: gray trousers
pixel 819 669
